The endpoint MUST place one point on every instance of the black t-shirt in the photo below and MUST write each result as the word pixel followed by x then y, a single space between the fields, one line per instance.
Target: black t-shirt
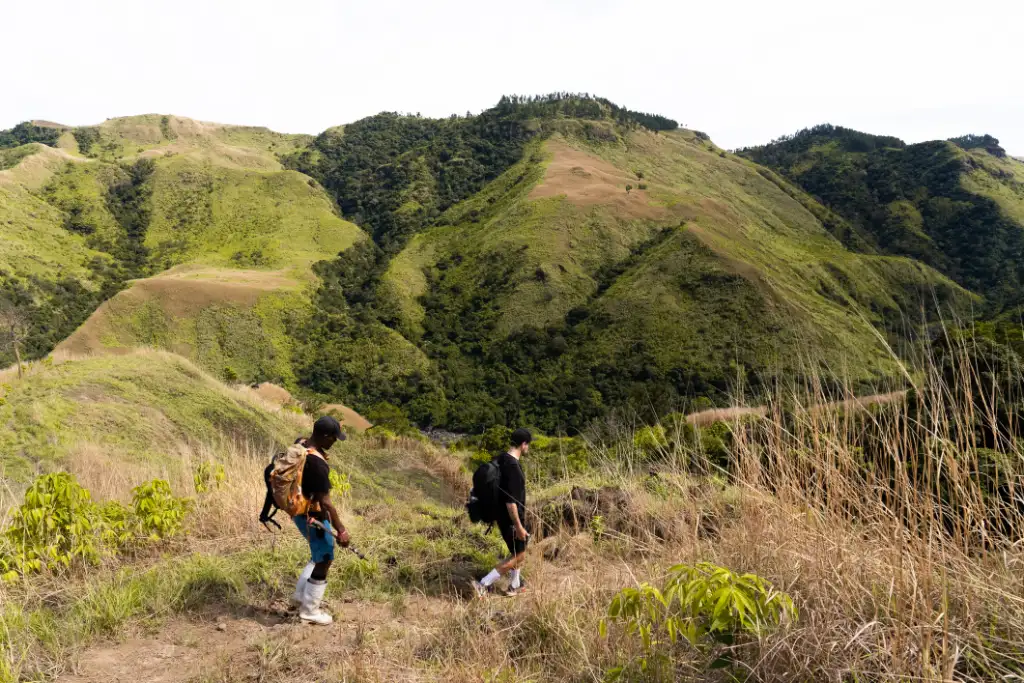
pixel 513 486
pixel 316 475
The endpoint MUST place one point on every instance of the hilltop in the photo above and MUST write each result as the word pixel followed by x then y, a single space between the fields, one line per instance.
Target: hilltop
pixel 957 205
pixel 210 238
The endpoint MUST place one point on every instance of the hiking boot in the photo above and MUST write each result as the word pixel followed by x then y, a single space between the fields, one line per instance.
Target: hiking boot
pixel 310 610
pixel 300 587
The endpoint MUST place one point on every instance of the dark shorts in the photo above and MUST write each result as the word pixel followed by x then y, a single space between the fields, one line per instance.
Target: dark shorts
pixel 508 534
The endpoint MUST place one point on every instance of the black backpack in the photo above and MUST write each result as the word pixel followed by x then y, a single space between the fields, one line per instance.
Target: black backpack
pixel 484 502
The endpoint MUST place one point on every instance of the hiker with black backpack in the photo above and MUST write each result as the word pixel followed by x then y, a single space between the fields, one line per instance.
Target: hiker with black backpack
pixel 499 497
pixel 298 482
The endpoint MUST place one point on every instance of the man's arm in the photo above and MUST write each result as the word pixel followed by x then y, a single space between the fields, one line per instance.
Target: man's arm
pixel 513 513
pixel 324 499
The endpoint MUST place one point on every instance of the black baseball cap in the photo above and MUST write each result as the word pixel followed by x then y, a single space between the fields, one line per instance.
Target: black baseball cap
pixel 328 426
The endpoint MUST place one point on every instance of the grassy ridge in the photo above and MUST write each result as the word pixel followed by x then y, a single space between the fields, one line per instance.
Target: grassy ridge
pixel 132 407
pixel 160 192
pixel 234 218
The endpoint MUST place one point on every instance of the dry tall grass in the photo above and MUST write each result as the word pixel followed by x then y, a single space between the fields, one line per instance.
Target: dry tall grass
pixel 883 525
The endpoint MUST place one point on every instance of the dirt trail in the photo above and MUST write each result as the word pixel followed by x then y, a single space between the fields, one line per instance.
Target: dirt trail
pixel 706 417
pixel 261 645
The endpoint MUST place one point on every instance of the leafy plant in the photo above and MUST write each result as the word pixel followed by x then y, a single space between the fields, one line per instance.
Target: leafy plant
pixel 208 476
pixel 340 483
pixel 54 526
pixel 159 512
pixel 119 526
pixel 650 440
pixel 704 605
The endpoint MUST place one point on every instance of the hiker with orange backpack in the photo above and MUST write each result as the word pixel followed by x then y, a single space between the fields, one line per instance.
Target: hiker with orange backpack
pixel 298 482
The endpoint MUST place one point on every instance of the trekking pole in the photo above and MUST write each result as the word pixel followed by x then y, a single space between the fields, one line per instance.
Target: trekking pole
pixel 320 525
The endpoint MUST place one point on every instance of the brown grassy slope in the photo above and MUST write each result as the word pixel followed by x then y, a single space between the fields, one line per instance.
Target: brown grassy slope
pixel 880 596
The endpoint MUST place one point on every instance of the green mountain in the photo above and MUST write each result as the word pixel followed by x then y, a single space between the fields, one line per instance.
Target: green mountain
pixel 549 261
pixel 956 205
pixel 210 238
pixel 611 266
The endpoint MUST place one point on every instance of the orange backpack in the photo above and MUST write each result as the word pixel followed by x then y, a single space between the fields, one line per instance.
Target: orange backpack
pixel 283 477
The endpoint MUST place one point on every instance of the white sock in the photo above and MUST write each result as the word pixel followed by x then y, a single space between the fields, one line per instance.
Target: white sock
pixel 516 581
pixel 490 578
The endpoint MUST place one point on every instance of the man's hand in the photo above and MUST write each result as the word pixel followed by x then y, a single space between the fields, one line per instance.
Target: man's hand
pixel 343 538
pixel 521 533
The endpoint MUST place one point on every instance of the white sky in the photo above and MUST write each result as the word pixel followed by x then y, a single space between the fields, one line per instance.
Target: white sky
pixel 744 71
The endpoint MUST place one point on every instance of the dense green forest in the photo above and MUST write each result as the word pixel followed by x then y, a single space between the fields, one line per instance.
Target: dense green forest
pixel 26 132
pixel 911 200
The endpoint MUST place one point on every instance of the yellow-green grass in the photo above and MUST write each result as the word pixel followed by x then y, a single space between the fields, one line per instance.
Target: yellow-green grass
pixel 134 407
pixel 130 137
pixel 1002 180
pixel 31 166
pixel 211 215
pixel 81 188
pixel 232 323
pixel 33 241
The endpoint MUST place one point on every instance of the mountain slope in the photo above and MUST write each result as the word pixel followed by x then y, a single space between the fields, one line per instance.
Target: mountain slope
pixel 142 195
pixel 956 205
pixel 555 294
pixel 48 273
pixel 128 408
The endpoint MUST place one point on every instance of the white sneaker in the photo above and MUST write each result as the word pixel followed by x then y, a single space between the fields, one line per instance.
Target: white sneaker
pixel 310 610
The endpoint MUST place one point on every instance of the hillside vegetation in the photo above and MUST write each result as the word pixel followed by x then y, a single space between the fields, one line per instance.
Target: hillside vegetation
pixel 610 267
pixel 955 205
pixel 551 260
pixel 135 197
pixel 650 561
pixel 130 410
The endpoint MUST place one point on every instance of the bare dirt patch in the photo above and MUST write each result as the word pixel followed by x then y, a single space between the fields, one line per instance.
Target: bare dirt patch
pixel 587 180
pixel 346 416
pixel 265 645
pixel 274 394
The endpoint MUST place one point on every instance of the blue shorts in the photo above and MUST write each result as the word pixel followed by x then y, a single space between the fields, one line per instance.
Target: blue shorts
pixel 321 543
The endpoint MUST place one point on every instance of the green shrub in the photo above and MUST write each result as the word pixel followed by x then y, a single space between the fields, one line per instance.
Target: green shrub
pixel 390 417
pixel 55 526
pixel 119 525
pixel 159 512
pixel 705 606
pixel 340 484
pixel 650 440
pixel 208 477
